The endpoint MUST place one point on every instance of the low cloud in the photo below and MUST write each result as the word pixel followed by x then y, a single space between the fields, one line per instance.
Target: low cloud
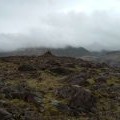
pixel 53 24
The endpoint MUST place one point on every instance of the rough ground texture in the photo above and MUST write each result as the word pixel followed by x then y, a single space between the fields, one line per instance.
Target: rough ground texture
pixel 58 88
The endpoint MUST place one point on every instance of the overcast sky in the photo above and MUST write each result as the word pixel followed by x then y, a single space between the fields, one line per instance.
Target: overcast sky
pixel 59 23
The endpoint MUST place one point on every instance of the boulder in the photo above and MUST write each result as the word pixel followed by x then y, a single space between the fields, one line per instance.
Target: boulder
pixel 22 91
pixel 60 106
pixel 79 99
pixel 80 79
pixel 101 79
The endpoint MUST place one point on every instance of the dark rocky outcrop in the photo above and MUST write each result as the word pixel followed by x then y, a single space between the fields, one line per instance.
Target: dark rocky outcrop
pixel 101 79
pixel 78 79
pixel 60 70
pixel 48 54
pixel 80 99
pixel 23 92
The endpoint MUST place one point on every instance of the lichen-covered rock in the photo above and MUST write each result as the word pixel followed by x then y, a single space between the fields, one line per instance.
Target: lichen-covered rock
pixel 80 79
pixel 23 92
pixel 101 79
pixel 80 99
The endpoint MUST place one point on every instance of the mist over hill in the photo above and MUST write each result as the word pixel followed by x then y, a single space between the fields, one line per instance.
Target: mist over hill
pixel 67 51
pixel 110 57
pixel 59 59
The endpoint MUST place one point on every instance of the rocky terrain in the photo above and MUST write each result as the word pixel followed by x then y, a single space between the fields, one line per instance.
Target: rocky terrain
pixel 110 57
pixel 48 87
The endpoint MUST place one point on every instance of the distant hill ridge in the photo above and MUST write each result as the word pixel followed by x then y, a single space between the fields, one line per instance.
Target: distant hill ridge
pixel 68 51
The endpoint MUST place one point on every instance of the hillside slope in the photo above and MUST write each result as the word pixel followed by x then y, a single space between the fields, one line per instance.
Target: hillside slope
pixel 58 88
